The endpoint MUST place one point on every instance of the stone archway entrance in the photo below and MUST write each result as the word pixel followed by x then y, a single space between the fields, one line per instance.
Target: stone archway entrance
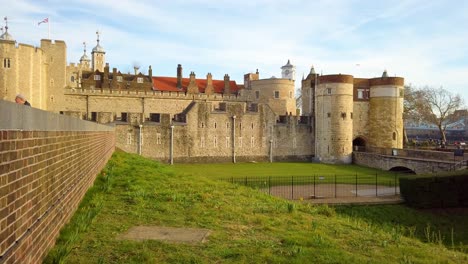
pixel 359 144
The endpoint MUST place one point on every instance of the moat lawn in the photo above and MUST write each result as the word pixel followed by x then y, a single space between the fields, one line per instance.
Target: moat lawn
pixel 275 169
pixel 246 226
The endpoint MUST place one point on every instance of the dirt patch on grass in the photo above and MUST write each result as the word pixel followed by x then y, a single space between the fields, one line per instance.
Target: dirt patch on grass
pixel 170 234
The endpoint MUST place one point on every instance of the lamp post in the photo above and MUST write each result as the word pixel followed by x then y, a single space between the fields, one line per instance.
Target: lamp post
pixel 171 154
pixel 140 136
pixel 271 150
pixel 234 139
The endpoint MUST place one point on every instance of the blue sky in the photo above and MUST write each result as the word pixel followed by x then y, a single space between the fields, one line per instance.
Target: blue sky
pixel 421 40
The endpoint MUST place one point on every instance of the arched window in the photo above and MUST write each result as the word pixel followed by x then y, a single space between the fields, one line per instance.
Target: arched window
pixel 72 79
pixel 394 135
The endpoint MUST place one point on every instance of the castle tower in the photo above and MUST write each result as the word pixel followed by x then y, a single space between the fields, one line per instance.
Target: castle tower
pixel 6 35
pixel 288 71
pixel 386 112
pixel 308 87
pixel 98 55
pixel 334 124
pixel 84 60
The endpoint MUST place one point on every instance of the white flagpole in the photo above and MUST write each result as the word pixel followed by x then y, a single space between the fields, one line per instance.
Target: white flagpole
pixel 48 26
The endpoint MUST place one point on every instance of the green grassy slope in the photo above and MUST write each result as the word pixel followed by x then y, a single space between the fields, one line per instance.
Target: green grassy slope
pixel 247 226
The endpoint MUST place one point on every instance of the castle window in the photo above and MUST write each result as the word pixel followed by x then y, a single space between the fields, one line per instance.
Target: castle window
pixel 215 125
pixel 257 94
pixel 252 125
pixel 328 90
pixel 351 115
pixel 158 138
pixel 93 116
pixel 252 142
pixel 124 117
pixel 328 114
pixel 394 136
pixel 227 125
pixel 277 95
pixel 72 79
pixel 202 125
pixel 363 93
pixel 6 63
pixel 155 117
pixel 343 115
pixel 97 77
pixel 119 78
pixel 139 80
pixel 215 141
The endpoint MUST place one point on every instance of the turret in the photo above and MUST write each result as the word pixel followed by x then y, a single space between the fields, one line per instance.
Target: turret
pixel 334 124
pixel 386 111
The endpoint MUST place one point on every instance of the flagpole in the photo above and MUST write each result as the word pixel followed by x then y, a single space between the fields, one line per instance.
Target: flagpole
pixel 48 26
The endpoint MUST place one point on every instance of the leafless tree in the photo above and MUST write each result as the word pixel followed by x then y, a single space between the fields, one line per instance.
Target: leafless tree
pixel 436 106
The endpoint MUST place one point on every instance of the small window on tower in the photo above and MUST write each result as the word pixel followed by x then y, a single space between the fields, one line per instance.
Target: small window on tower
pixel 328 90
pixel 257 94
pixel 277 95
pixel 72 79
pixel 97 77
pixel 328 114
pixel 139 80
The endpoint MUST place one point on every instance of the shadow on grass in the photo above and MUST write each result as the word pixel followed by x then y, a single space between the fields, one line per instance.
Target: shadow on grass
pixel 438 226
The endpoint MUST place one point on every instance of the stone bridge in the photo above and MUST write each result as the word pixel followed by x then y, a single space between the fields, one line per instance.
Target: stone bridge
pixel 409 160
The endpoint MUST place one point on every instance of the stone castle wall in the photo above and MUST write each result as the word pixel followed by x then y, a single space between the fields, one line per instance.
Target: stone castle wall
pixel 25 74
pixel 210 135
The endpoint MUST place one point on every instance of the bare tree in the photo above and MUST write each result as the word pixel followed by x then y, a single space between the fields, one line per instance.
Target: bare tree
pixel 436 106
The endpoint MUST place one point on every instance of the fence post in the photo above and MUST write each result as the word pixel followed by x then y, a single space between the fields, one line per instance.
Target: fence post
pixel 376 193
pixel 335 185
pixel 292 187
pixel 269 185
pixel 356 185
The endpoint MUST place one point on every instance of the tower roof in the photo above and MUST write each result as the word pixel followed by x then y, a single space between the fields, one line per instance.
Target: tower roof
pixel 312 70
pixel 84 57
pixel 98 47
pixel 385 74
pixel 6 35
pixel 288 65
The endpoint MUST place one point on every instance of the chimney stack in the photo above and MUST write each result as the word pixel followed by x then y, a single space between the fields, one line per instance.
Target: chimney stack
pixel 179 76
pixel 227 86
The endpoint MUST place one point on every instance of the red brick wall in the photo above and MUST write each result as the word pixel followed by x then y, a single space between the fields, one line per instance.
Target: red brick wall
pixel 43 177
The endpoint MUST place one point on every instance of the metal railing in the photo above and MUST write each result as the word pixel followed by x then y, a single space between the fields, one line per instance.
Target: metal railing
pixel 323 186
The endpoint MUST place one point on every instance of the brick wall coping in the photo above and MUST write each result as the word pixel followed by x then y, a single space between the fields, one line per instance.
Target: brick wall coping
pixel 19 117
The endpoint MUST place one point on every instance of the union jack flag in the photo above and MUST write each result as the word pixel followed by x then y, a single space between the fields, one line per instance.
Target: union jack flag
pixel 46 20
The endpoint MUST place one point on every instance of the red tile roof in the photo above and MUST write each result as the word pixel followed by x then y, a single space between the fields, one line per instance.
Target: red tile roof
pixel 170 84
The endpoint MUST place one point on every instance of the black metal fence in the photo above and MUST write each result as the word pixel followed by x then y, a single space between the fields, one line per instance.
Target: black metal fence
pixel 324 186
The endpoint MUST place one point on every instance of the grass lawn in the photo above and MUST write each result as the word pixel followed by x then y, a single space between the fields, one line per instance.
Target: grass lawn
pixel 247 226
pixel 241 170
